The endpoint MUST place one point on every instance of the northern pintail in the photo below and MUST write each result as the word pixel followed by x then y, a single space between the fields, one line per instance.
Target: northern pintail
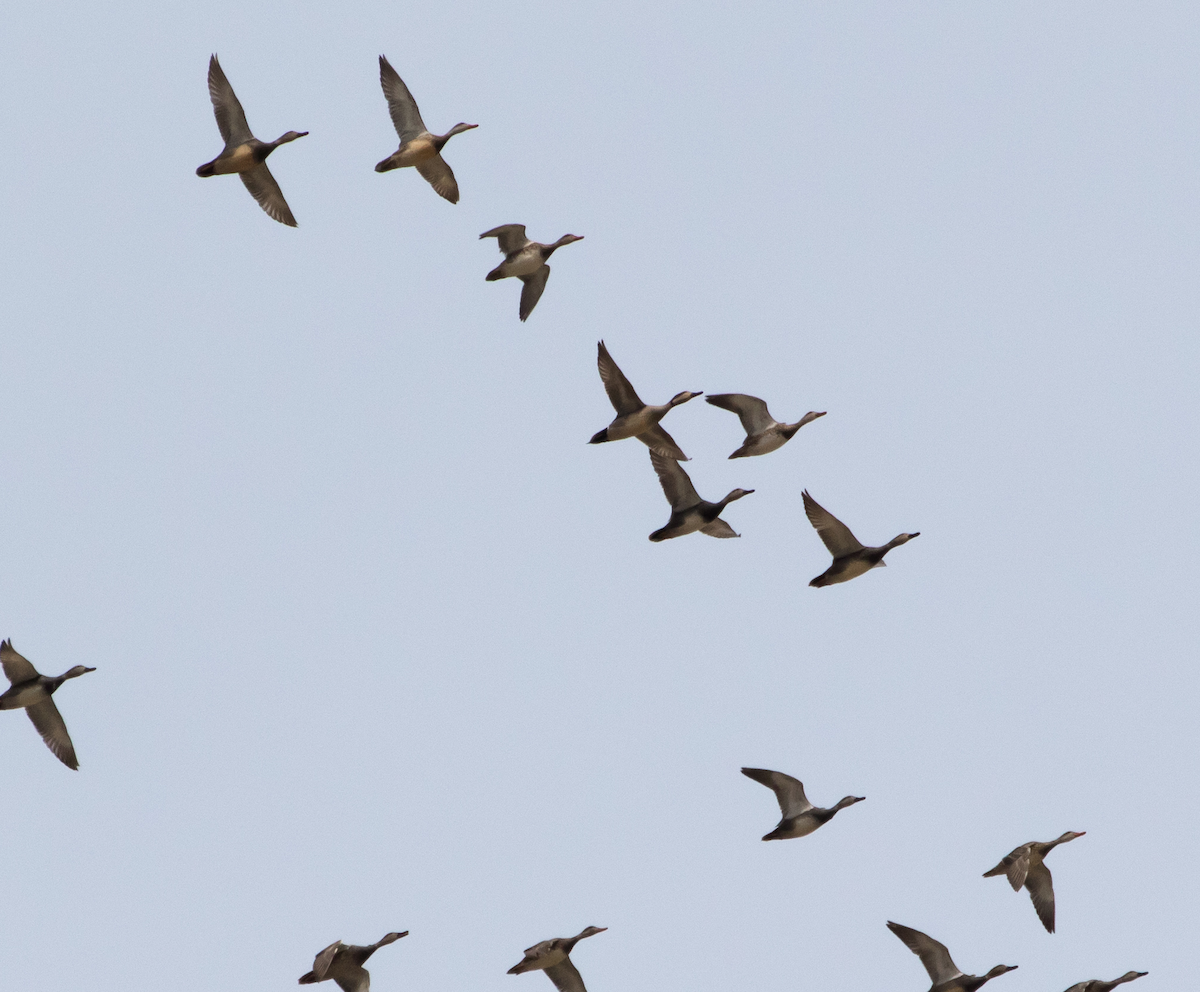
pixel 946 975
pixel 244 153
pixel 31 692
pixel 635 418
pixel 1097 985
pixel 1026 866
pixel 800 817
pixel 526 260
pixel 689 512
pixel 344 964
pixel 554 958
pixel 763 432
pixel 850 558
pixel 418 147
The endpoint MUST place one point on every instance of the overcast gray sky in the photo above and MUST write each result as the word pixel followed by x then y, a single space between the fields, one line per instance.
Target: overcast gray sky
pixel 381 643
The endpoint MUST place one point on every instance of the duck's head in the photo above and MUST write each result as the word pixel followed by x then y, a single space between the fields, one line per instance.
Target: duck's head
pixel 459 128
pixel 77 671
pixel 391 938
pixel 684 397
pixel 590 932
pixel 849 801
pixel 1000 969
pixel 566 239
pixel 900 539
pixel 1070 835
pixel 283 139
pixel 1129 976
pixel 738 494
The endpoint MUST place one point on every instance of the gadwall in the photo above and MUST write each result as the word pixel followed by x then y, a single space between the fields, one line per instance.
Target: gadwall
pixel 763 432
pixel 244 153
pixel 946 975
pixel 1027 866
pixel 1096 985
pixel 526 260
pixel 418 147
pixel 634 418
pixel 344 964
pixel 688 511
pixel 850 558
pixel 554 958
pixel 800 817
pixel 31 692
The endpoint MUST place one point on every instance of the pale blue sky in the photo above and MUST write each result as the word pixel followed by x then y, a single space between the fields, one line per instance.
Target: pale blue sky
pixel 381 643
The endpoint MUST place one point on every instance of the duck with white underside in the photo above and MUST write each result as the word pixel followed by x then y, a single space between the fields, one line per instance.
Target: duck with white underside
pixel 1099 985
pixel 524 260
pixel 554 958
pixel 1026 866
pixel 244 154
pixel 944 973
pixel 799 817
pixel 31 692
pixel 850 558
pixel 635 418
pixel 419 148
pixel 764 433
pixel 689 513
pixel 343 964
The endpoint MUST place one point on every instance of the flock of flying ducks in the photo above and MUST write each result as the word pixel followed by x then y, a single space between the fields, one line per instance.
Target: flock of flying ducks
pixel 245 155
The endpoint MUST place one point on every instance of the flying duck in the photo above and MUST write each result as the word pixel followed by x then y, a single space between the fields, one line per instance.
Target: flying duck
pixel 800 817
pixel 32 692
pixel 1096 985
pixel 526 260
pixel 244 153
pixel 763 432
pixel 1027 866
pixel 554 957
pixel 418 147
pixel 634 418
pixel 850 558
pixel 688 511
pixel 946 975
pixel 344 964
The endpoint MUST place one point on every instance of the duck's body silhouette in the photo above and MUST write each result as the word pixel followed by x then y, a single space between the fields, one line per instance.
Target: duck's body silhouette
pixel 850 558
pixel 1098 985
pixel 635 418
pixel 799 817
pixel 1026 866
pixel 343 964
pixel 244 154
pixel 524 260
pixel 418 147
pixel 945 974
pixel 554 958
pixel 32 693
pixel 764 433
pixel 689 513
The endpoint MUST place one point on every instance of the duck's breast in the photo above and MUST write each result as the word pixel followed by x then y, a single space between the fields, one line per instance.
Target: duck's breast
pixel 241 159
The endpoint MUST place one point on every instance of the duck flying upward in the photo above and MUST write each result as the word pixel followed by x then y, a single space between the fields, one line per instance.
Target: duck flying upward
pixel 635 418
pixel 554 958
pixel 763 432
pixel 800 817
pixel 32 693
pixel 418 147
pixel 343 963
pixel 850 558
pixel 945 974
pixel 1026 866
pixel 244 153
pixel 526 260
pixel 689 512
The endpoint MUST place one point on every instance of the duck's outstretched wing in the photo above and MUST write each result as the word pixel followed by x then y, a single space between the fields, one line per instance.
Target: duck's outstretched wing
pixel 719 528
pixel 676 485
pixel 406 118
pixel 833 532
pixel 437 172
pixel 933 953
pixel 532 289
pixel 15 667
pixel 1040 884
pixel 50 725
pixel 657 439
pixel 510 236
pixel 789 792
pixel 751 411
pixel 266 191
pixel 566 977
pixel 231 119
pixel 621 393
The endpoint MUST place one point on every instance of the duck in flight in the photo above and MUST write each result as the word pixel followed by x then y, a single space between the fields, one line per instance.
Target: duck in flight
pixel 945 974
pixel 1096 985
pixel 763 432
pixel 554 958
pixel 850 558
pixel 32 692
pixel 689 512
pixel 418 147
pixel 244 153
pixel 634 418
pixel 800 817
pixel 1026 866
pixel 344 964
pixel 526 260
